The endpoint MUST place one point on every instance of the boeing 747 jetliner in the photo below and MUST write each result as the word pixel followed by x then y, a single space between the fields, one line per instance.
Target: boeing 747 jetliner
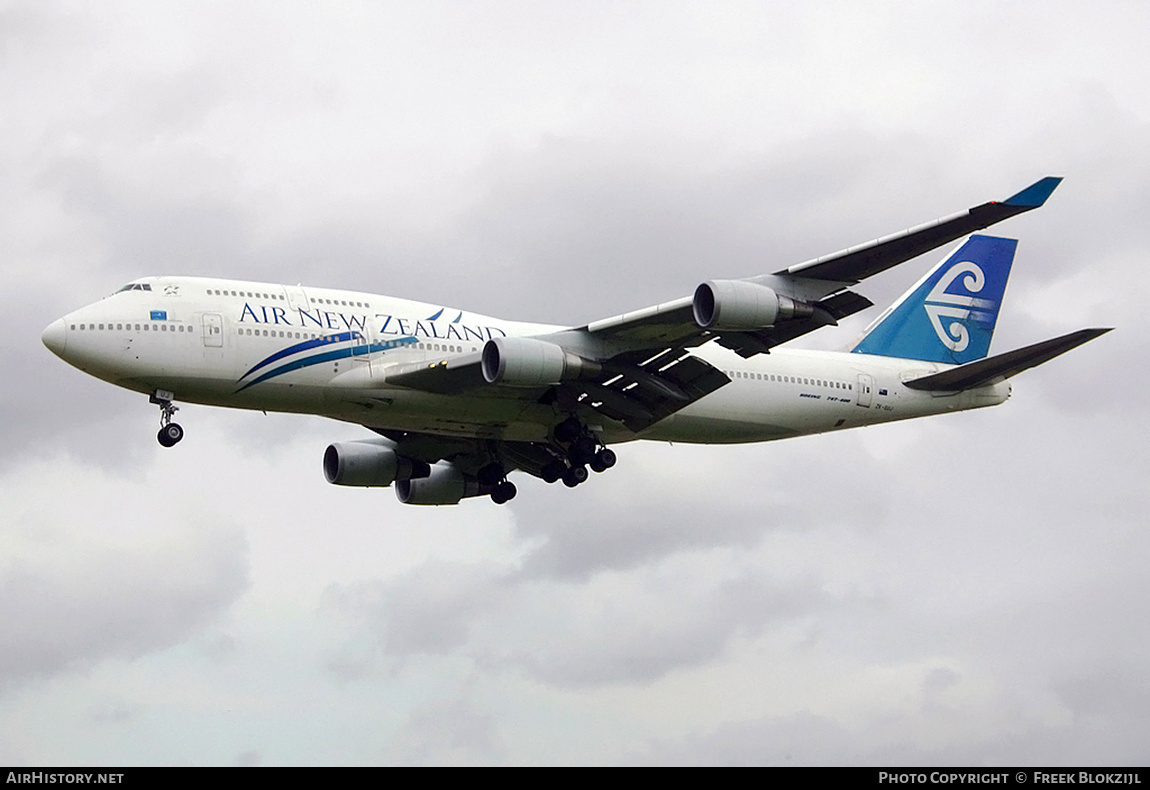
pixel 457 401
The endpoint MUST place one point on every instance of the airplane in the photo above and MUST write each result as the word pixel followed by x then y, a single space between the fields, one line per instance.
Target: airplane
pixel 456 401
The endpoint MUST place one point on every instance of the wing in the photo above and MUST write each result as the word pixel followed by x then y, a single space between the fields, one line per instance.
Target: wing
pixel 636 368
pixel 808 295
pixel 636 388
pixel 859 262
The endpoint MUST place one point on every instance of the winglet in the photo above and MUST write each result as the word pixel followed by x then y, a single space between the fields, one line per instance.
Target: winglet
pixel 1035 194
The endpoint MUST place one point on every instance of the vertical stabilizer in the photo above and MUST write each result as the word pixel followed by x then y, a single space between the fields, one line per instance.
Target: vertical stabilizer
pixel 949 315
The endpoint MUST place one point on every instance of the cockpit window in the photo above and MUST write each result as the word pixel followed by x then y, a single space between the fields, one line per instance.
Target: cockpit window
pixel 135 287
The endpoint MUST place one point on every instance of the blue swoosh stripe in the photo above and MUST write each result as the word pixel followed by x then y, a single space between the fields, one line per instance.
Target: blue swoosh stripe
pixel 319 359
pixel 305 346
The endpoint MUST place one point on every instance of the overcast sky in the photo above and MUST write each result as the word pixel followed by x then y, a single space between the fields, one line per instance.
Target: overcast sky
pixel 969 589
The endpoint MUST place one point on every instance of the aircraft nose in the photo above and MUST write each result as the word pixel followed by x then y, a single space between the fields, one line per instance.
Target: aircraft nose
pixel 55 336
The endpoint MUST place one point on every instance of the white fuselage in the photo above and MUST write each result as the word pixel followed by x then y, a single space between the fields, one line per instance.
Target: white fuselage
pixel 321 351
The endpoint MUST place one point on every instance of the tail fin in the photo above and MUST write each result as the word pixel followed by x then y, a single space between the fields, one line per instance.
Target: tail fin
pixel 949 315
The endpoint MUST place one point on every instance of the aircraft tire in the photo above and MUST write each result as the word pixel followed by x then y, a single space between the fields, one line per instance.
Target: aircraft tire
pixel 574 476
pixel 170 434
pixel 504 492
pixel 552 472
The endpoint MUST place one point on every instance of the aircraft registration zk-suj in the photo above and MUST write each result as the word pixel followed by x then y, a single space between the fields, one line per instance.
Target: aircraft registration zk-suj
pixel 456 400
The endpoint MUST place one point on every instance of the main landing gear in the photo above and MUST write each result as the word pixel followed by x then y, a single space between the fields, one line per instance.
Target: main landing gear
pixel 581 449
pixel 170 432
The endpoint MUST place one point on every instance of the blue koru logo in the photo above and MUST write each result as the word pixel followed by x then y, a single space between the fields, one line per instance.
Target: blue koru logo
pixel 957 309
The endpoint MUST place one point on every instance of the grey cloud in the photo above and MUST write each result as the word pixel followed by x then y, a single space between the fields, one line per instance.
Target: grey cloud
pixel 123 605
pixel 448 732
pixel 630 221
pixel 806 739
pixel 632 643
pixel 749 495
pixel 796 740
pixel 431 610
pixel 1108 710
pixel 113 713
pixel 152 228
pixel 448 609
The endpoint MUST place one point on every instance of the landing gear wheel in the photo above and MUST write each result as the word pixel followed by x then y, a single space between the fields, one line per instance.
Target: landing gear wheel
pixel 580 447
pixel 574 476
pixel 170 434
pixel 504 492
pixel 552 472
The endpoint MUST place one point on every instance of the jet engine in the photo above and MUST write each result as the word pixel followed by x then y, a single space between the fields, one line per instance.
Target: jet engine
pixel 369 463
pixel 445 485
pixel 741 306
pixel 527 362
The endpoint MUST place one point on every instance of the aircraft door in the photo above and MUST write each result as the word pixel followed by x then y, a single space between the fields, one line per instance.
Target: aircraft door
pixel 213 330
pixel 360 351
pixel 865 390
pixel 297 299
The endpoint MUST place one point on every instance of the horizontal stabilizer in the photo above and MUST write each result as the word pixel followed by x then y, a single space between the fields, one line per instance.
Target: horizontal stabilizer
pixel 1003 366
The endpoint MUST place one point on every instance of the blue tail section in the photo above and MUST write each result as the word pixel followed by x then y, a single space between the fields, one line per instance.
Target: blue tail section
pixel 949 315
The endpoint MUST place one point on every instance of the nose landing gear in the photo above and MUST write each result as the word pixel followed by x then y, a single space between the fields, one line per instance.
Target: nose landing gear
pixel 170 432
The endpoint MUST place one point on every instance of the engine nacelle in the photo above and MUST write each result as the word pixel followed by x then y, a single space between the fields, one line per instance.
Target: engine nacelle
pixel 368 463
pixel 739 305
pixel 527 362
pixel 445 485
